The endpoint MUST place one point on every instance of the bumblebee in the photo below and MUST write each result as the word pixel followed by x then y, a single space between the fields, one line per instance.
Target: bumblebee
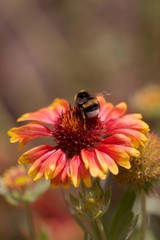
pixel 87 104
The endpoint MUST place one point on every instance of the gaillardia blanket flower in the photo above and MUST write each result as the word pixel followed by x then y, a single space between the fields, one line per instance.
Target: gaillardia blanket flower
pixel 83 147
pixel 17 187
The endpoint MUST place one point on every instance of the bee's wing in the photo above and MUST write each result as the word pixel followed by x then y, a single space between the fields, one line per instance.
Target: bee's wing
pixel 103 93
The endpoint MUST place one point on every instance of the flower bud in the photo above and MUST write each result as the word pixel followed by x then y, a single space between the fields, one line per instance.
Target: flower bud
pixel 92 203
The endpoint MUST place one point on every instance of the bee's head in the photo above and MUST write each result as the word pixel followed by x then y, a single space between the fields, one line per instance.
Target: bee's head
pixel 81 97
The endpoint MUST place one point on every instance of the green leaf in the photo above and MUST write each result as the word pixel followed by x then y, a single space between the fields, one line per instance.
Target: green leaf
pixel 131 227
pixel 107 198
pixel 11 200
pixel 32 194
pixel 97 189
pixel 123 221
pixel 87 236
pixel 74 201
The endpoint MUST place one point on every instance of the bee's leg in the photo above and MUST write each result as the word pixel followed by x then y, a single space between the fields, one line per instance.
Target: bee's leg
pixel 84 119
pixel 85 123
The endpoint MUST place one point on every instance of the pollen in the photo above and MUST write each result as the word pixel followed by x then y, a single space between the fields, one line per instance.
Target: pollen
pixel 72 132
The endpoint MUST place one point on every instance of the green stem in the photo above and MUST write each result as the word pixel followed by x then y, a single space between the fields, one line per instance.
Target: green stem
pixel 30 221
pixel 72 212
pixel 99 230
pixel 143 215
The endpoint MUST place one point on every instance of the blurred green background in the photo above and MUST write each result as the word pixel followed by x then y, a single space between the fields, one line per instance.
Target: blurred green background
pixel 54 48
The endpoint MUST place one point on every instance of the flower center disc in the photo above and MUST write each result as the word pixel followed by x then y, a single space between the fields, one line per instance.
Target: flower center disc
pixel 72 132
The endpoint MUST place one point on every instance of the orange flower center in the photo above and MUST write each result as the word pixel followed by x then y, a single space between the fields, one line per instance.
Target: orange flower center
pixel 72 132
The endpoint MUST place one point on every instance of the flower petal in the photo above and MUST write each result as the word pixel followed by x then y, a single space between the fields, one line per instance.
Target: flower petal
pixel 123 142
pixel 117 112
pixel 48 114
pixel 47 161
pixel 53 162
pixel 131 151
pixel 91 163
pixel 105 108
pixel 60 164
pixel 107 161
pixel 138 138
pixel 28 132
pixel 35 153
pixel 119 139
pixel 74 168
pixel 116 153
pixel 136 115
pixel 85 176
pixel 128 122
pixel 62 179
pixel 78 172
pixel 36 171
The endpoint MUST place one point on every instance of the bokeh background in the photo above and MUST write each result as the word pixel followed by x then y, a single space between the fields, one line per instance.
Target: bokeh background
pixel 54 48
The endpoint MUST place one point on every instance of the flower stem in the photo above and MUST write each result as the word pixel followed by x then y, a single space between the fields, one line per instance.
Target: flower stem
pixel 30 221
pixel 143 215
pixel 99 230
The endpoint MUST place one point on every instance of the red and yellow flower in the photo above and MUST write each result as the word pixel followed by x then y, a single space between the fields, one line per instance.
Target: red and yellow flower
pixel 79 151
pixel 17 187
pixel 15 179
